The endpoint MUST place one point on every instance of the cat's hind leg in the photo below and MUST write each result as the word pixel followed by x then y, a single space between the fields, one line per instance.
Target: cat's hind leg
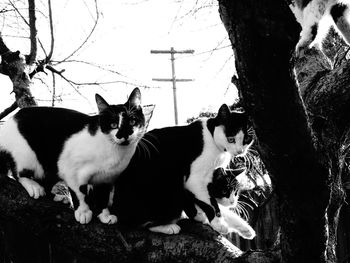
pixel 340 14
pixel 7 165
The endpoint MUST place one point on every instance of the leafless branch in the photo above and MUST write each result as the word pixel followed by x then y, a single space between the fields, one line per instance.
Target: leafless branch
pixel 53 88
pixel 49 56
pixel 176 16
pixel 28 24
pixel 90 64
pixel 93 83
pixel 211 51
pixel 33 32
pixel 89 35
pixel 8 110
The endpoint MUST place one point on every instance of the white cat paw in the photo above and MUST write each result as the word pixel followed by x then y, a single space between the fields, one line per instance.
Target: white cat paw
pixel 83 215
pixel 247 232
pixel 219 224
pixel 170 229
pixel 34 189
pixel 106 218
pixel 201 217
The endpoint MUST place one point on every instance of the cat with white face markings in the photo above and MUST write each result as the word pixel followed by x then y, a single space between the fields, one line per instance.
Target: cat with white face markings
pixel 174 161
pixel 42 145
pixel 316 16
pixel 224 191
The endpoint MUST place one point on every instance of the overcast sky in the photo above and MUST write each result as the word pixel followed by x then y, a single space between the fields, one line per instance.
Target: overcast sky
pixel 125 34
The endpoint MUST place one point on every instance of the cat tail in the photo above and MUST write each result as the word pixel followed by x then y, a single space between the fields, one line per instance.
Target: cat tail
pixel 7 164
pixel 236 223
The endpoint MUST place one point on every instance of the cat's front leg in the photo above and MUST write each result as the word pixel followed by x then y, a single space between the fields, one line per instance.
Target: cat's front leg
pixel 201 216
pixel 82 213
pixel 219 224
pixel 103 196
pixel 237 224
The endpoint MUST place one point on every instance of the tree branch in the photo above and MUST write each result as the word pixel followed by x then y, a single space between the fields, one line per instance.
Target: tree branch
pixel 33 32
pixel 8 110
pixel 49 56
pixel 88 36
pixel 53 222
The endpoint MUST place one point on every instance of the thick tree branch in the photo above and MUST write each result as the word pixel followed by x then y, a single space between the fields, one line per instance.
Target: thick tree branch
pixel 95 242
pixel 33 32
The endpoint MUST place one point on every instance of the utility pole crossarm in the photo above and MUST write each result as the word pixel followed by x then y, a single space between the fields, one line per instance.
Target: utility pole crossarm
pixel 188 51
pixel 177 80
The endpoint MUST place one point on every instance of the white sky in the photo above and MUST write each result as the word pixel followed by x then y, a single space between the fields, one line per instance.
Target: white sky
pixel 126 32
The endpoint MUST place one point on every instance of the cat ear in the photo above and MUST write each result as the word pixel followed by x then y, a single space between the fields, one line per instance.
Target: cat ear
pixel 101 103
pixel 224 112
pixel 135 97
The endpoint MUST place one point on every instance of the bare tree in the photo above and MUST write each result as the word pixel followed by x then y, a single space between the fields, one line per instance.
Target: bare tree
pixel 20 21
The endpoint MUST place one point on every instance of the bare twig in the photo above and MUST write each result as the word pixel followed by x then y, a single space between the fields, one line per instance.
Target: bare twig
pixel 89 35
pixel 28 24
pixel 53 88
pixel 93 83
pixel 101 67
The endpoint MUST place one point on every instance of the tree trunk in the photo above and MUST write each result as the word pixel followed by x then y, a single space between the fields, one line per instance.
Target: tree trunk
pixel 303 142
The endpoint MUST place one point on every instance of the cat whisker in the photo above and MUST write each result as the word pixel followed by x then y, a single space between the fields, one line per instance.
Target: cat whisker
pixel 243 211
pixel 144 148
pixel 242 203
pixel 146 141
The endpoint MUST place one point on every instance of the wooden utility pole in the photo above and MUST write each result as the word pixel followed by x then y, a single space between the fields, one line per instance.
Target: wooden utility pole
pixel 172 53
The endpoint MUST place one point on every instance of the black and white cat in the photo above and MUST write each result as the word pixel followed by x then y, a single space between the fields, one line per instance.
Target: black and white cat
pixel 224 190
pixel 316 16
pixel 41 145
pixel 174 161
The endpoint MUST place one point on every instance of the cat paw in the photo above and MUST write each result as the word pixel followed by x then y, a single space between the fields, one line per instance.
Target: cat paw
pixel 62 198
pixel 106 218
pixel 34 189
pixel 170 229
pixel 219 225
pixel 83 215
pixel 201 217
pixel 246 232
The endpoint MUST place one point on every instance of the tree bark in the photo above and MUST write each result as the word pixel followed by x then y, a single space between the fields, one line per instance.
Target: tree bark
pixel 14 65
pixel 263 35
pixel 50 224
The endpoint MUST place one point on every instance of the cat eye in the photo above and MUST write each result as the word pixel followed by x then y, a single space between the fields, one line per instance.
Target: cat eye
pixel 114 125
pixel 132 122
pixel 231 139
